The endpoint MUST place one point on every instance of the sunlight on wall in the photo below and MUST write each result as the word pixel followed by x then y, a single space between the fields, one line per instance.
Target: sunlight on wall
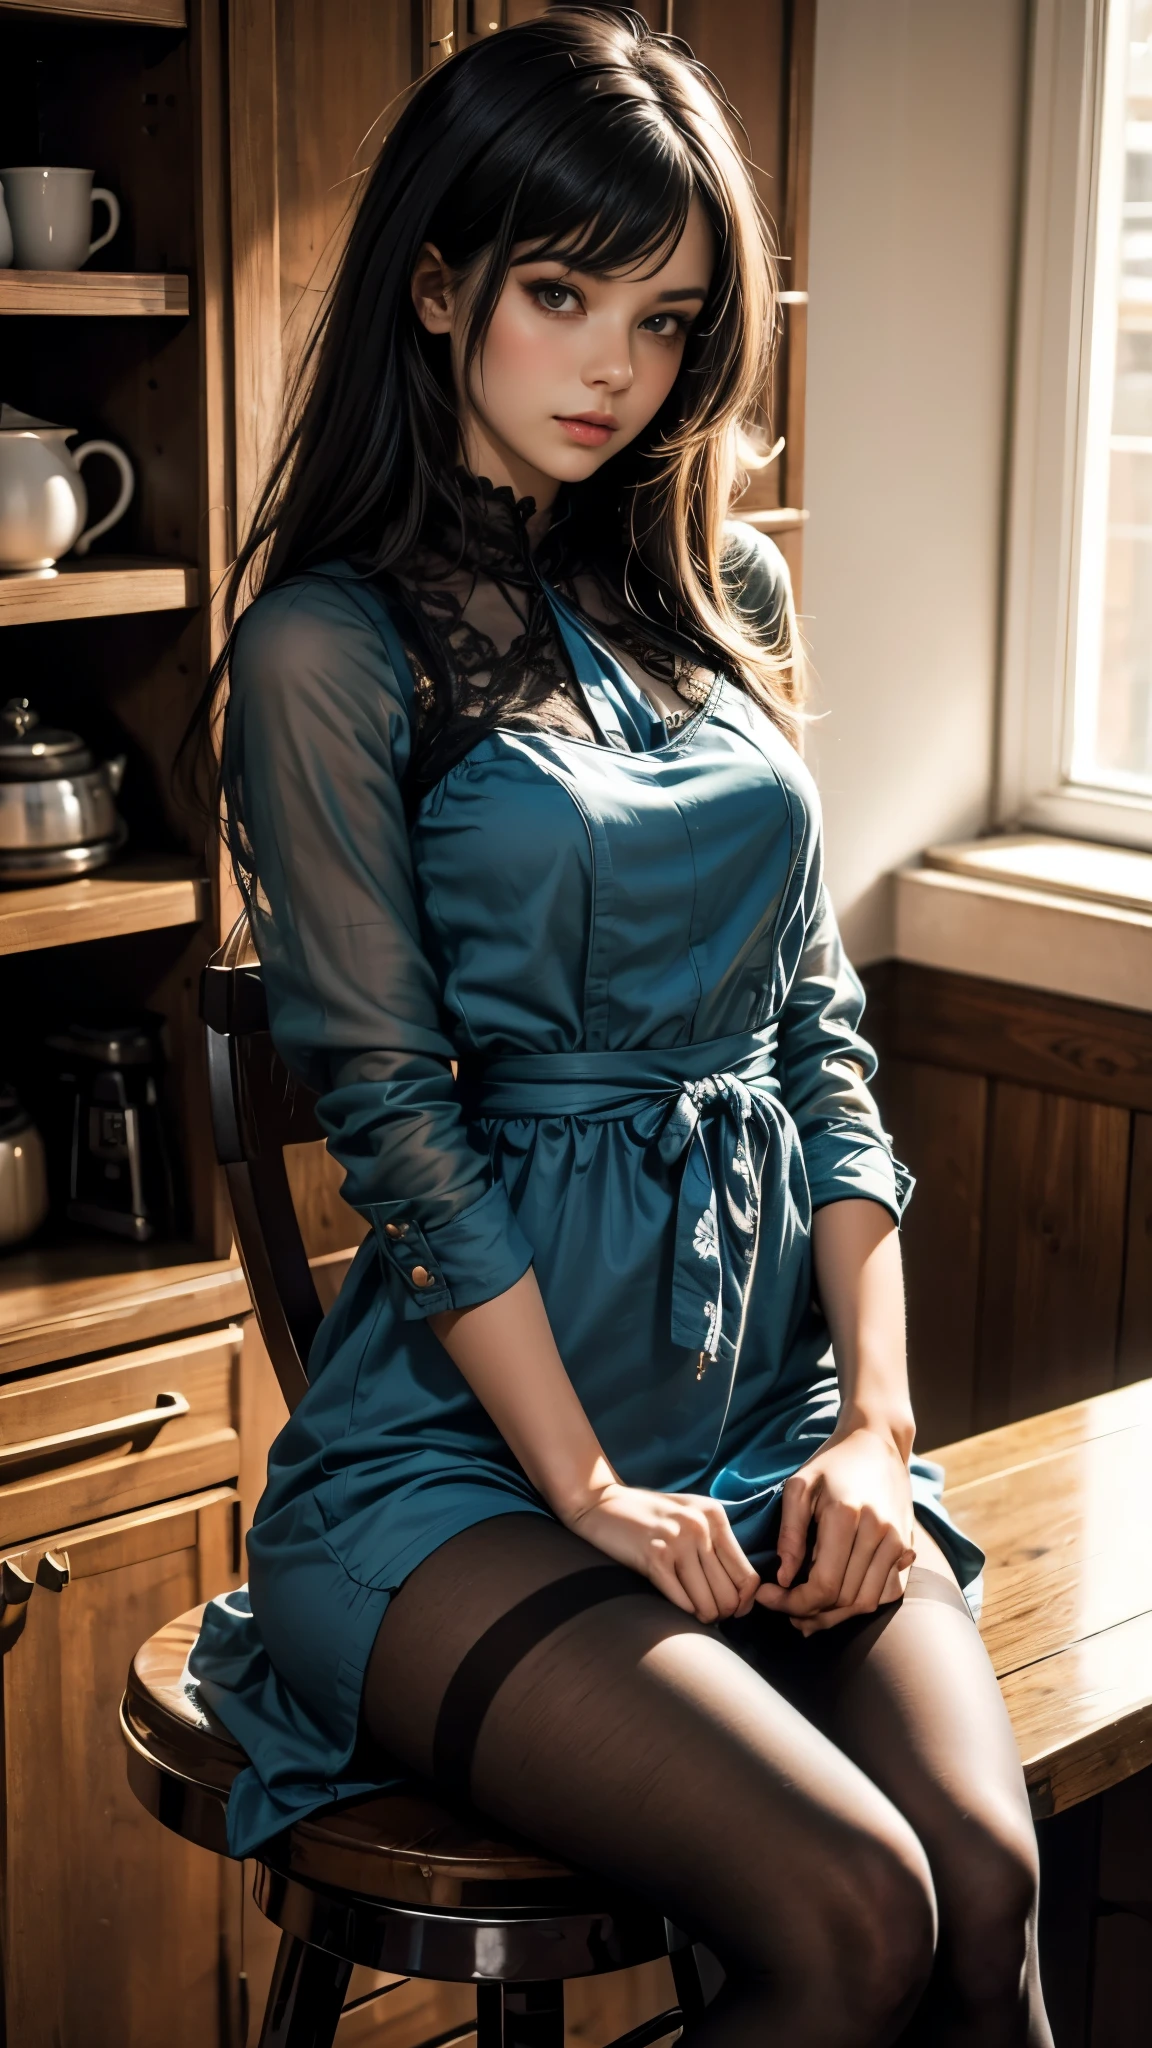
pixel 917 139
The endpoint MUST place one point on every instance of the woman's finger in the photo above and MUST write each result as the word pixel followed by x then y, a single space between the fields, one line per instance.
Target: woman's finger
pixel 690 1572
pixel 739 1570
pixel 664 1579
pixel 795 1515
pixel 871 1533
pixel 889 1555
pixel 835 1535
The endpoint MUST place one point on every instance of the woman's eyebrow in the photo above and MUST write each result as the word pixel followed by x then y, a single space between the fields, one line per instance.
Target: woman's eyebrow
pixel 691 291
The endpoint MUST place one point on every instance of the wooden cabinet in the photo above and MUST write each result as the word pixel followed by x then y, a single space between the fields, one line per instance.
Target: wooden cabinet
pixel 1027 1119
pixel 112 1929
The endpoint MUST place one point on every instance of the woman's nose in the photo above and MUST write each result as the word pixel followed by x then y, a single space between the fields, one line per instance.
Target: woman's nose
pixel 610 365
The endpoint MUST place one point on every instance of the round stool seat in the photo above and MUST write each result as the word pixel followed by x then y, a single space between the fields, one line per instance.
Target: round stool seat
pixel 402 1846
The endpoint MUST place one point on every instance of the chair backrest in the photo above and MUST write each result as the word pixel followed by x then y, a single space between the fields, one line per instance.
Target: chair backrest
pixel 258 1109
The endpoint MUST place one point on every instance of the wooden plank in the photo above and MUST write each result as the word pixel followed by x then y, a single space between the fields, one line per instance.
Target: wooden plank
pixel 1083 1719
pixel 1090 1050
pixel 164 13
pixel 92 292
pixel 64 1302
pixel 137 896
pixel 1069 1546
pixel 101 586
pixel 1018 1444
pixel 1134 1352
pixel 937 1119
pixel 252 75
pixel 1053 1252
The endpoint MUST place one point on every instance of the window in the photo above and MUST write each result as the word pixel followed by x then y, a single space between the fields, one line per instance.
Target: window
pixel 1076 750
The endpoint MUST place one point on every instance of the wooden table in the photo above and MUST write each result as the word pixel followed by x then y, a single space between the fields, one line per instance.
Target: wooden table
pixel 1062 1504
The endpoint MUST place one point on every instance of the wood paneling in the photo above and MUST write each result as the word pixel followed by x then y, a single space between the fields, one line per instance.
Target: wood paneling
pixel 111 1925
pixel 937 1120
pixel 1090 1050
pixel 327 1224
pixel 1065 1212
pixel 1134 1356
pixel 1054 1236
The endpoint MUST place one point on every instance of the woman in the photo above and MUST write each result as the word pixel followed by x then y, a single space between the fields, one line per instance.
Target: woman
pixel 512 783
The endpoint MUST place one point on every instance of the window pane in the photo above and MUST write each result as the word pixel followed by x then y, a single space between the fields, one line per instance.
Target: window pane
pixel 1113 713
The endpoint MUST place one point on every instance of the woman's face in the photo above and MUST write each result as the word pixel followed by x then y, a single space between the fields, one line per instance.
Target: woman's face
pixel 573 366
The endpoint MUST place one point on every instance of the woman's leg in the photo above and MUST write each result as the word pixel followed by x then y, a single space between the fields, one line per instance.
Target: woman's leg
pixel 911 1697
pixel 624 1737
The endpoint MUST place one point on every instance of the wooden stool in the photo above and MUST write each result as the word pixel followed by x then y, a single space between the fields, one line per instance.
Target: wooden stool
pixel 394 1881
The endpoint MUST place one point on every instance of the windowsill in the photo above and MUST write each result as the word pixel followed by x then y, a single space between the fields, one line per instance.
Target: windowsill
pixel 1056 914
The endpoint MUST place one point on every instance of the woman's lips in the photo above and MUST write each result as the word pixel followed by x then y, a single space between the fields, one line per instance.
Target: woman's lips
pixel 591 430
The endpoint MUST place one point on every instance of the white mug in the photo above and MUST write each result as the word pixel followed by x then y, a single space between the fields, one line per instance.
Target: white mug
pixel 50 210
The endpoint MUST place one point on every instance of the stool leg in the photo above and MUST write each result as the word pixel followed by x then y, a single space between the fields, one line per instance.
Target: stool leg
pixel 533 2015
pixel 307 1994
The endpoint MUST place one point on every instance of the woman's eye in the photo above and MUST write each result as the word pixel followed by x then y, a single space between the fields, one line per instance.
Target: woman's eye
pixel 555 298
pixel 666 326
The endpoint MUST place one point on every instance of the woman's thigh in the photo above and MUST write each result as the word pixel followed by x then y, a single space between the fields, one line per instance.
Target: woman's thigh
pixel 629 1739
pixel 911 1697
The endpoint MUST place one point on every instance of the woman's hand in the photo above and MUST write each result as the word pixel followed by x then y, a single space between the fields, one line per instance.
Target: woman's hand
pixel 683 1542
pixel 858 1489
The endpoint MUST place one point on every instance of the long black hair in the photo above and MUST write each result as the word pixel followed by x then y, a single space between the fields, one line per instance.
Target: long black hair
pixel 587 136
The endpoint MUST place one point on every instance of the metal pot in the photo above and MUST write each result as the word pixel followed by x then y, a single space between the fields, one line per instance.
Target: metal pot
pixel 58 813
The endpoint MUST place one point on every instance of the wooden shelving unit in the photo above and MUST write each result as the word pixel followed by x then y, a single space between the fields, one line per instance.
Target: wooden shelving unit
pixel 58 1301
pixel 133 896
pixel 101 586
pixel 160 13
pixel 93 293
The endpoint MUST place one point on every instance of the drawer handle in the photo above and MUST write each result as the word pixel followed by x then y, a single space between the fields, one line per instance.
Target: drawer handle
pixel 77 1441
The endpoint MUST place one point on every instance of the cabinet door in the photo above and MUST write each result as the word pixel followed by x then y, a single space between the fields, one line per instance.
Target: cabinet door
pixel 112 1927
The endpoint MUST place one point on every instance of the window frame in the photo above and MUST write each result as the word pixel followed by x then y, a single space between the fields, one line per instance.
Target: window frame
pixel 1072 43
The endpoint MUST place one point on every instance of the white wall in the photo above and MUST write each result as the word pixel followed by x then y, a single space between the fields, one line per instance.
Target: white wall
pixel 917 138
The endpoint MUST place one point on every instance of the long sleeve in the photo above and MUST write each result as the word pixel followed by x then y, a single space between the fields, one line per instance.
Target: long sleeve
pixel 316 744
pixel 826 1066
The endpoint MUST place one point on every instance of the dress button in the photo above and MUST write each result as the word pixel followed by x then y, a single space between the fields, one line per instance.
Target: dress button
pixel 421 1277
pixel 393 1230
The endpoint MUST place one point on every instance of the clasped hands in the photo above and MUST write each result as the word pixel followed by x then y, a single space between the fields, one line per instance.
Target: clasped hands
pixel 857 1490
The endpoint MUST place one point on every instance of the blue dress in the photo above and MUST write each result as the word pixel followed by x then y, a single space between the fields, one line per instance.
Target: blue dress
pixel 625 944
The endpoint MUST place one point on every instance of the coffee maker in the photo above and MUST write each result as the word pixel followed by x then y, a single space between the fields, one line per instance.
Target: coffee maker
pixel 113 1128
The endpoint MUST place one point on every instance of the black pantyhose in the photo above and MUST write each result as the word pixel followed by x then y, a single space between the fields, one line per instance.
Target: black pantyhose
pixel 840 1818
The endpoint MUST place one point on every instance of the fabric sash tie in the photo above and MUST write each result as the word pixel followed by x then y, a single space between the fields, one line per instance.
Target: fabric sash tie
pixel 716 1106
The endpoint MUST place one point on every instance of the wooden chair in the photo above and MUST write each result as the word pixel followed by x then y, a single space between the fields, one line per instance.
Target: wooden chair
pixel 398 1881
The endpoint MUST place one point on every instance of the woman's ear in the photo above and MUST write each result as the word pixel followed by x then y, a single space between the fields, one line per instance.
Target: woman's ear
pixel 432 290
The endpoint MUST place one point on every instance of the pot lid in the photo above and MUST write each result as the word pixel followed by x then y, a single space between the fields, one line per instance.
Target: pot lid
pixel 15 422
pixel 31 752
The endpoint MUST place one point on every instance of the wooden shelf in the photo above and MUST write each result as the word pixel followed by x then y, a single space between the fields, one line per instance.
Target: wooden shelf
pixel 161 13
pixel 93 292
pixel 101 586
pixel 59 1301
pixel 781 518
pixel 131 896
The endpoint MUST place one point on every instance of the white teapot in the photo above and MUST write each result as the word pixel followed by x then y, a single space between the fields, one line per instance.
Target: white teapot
pixel 43 502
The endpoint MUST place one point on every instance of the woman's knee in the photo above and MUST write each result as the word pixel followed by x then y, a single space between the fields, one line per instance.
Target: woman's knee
pixel 861 1940
pixel 892 1943
pixel 988 1903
